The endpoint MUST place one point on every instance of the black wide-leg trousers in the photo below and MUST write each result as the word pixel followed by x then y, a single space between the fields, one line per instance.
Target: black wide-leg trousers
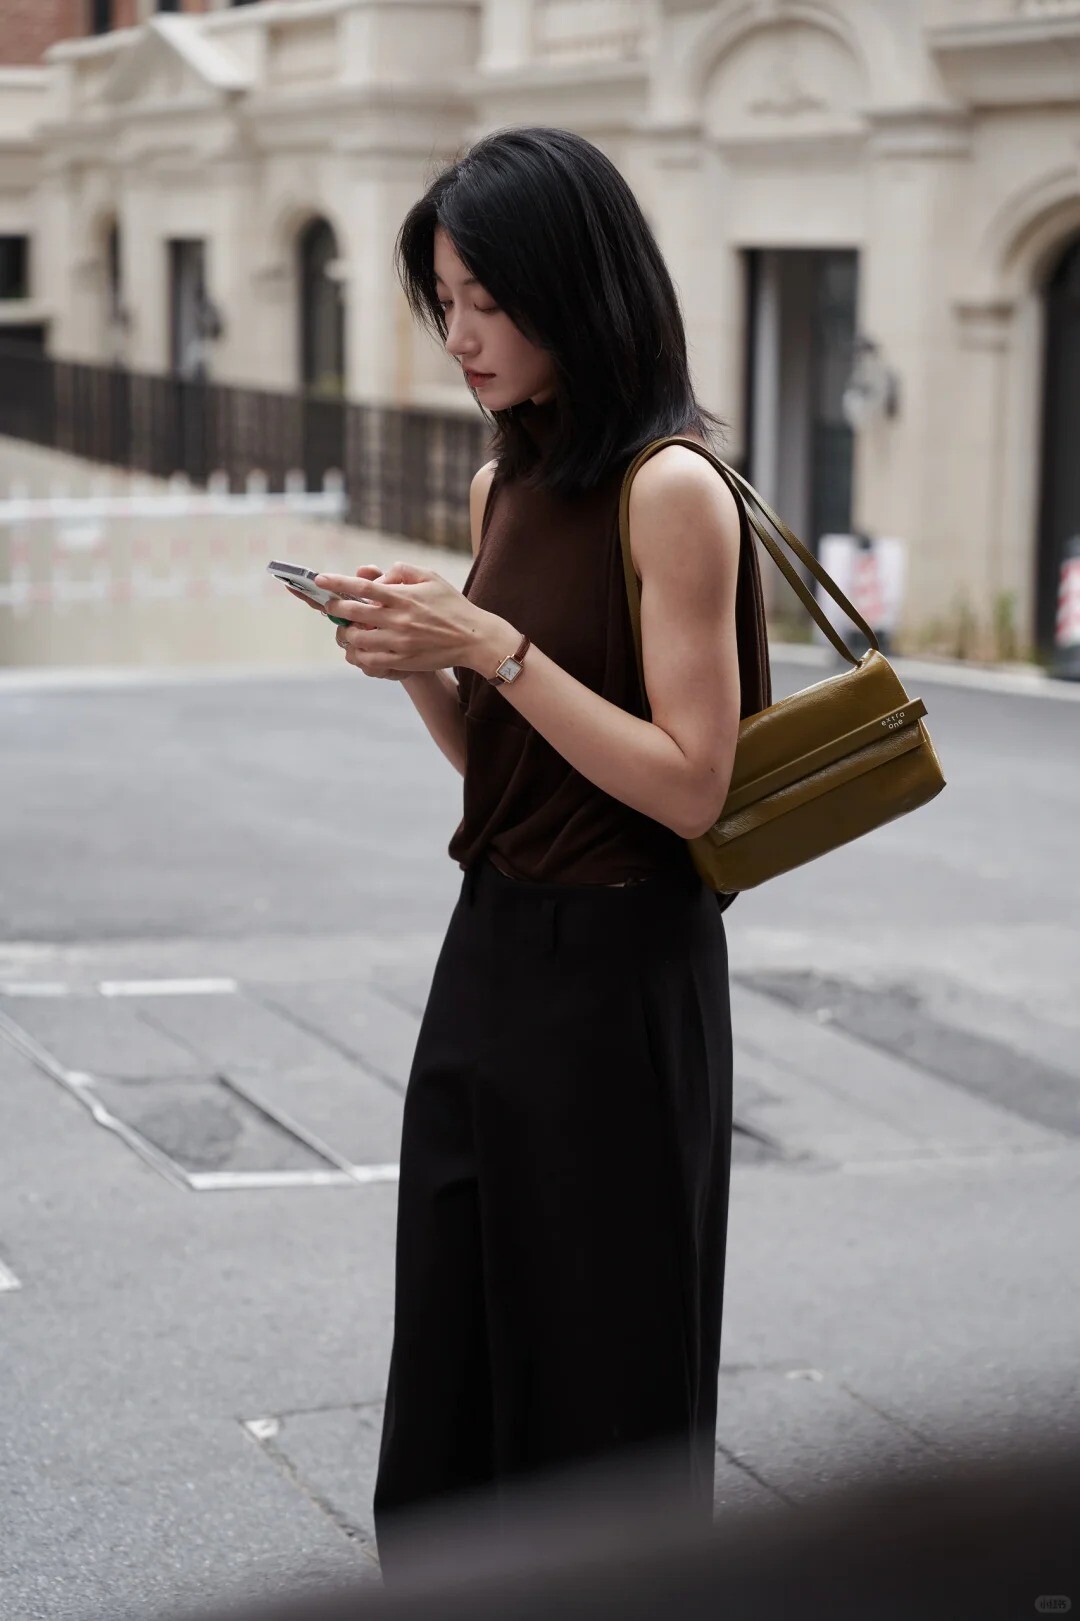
pixel 562 1208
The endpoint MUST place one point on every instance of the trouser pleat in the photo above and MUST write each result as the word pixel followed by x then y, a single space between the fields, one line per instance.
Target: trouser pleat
pixel 563 1196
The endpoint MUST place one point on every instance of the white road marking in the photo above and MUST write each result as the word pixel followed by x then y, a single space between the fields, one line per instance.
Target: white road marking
pixel 108 676
pixel 123 987
pixel 375 1173
pixel 234 1181
pixel 43 987
pixel 167 987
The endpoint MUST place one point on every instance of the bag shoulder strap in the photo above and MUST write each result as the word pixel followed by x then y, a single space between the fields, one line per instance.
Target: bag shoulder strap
pixel 740 488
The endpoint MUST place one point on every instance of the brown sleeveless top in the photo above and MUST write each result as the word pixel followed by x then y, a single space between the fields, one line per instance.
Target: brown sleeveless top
pixel 552 566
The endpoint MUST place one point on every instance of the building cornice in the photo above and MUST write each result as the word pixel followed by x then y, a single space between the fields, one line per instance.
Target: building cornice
pixel 271 13
pixel 1022 61
pixel 791 145
pixel 1004 33
pixel 177 37
pixel 75 50
pixel 922 130
pixel 554 76
pixel 18 78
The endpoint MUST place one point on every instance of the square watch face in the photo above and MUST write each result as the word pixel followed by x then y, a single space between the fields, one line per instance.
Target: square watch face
pixel 509 668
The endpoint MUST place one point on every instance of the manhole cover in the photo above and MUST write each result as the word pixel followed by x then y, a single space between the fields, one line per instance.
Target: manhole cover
pixel 202 1124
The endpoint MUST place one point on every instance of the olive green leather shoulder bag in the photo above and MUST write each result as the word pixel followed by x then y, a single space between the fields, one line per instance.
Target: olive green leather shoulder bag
pixel 818 769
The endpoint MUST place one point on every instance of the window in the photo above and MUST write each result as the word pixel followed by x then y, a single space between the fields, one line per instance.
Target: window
pixel 101 16
pixel 14 267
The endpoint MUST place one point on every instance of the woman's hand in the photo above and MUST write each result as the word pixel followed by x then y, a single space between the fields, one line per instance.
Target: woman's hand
pixel 366 572
pixel 413 620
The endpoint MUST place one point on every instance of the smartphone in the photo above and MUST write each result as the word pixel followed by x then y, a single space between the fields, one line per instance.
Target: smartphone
pixel 303 580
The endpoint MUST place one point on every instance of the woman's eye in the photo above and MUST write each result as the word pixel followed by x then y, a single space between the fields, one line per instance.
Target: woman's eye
pixel 447 303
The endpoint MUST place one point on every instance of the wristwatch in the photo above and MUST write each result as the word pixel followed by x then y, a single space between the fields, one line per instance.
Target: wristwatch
pixel 510 668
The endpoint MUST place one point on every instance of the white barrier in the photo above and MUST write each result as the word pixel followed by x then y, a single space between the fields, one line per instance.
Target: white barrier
pixel 135 572
pixel 66 550
pixel 872 577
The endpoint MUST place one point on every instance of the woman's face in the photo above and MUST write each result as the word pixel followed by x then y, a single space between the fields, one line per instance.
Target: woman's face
pixel 481 337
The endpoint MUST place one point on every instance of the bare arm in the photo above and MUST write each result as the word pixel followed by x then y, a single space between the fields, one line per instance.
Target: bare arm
pixel 435 692
pixel 676 768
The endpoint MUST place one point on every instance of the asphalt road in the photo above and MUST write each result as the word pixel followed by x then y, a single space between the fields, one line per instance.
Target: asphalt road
pixel 220 906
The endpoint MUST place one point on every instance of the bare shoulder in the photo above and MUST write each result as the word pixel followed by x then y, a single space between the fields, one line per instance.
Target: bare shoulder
pixel 479 490
pixel 677 490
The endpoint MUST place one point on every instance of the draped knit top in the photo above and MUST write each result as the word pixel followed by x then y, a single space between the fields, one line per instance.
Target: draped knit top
pixel 552 566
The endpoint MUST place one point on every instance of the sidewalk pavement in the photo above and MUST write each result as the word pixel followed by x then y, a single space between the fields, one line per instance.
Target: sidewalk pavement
pixel 222 904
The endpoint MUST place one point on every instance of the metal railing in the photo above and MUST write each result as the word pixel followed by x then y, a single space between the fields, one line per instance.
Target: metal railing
pixel 405 471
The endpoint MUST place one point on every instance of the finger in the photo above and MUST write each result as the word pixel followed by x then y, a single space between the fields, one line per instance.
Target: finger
pixel 349 608
pixel 408 574
pixel 354 588
pixel 374 664
pixel 353 636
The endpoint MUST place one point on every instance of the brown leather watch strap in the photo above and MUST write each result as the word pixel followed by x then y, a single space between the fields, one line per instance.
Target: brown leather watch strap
pixel 518 654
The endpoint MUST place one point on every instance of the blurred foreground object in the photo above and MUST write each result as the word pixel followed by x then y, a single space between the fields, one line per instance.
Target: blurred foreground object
pixel 163 573
pixel 993 1539
pixel 1066 663
pixel 869 570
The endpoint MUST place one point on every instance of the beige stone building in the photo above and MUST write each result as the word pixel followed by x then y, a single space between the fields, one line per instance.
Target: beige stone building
pixel 871 209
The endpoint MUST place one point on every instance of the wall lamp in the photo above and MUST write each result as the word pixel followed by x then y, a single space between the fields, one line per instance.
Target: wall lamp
pixel 873 389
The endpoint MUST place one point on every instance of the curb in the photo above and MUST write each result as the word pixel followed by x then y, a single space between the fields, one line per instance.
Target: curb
pixel 1024 680
pixel 1027 681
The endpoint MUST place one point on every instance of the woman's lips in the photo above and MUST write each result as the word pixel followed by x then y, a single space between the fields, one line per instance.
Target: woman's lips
pixel 476 379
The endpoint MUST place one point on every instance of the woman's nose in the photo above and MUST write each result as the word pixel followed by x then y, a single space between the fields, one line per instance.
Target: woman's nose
pixel 456 333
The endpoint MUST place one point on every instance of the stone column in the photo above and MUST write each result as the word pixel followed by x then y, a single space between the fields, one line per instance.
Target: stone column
pixel 506 35
pixel 146 266
pixel 914 473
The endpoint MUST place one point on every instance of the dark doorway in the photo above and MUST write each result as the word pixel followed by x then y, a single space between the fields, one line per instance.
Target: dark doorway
pixel 114 313
pixel 322 312
pixel 188 336
pixel 800 351
pixel 187 297
pixel 322 351
pixel 1059 515
pixel 835 287
pixel 14 267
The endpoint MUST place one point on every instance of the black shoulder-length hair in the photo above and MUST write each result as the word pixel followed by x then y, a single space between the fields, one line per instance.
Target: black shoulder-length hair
pixel 554 234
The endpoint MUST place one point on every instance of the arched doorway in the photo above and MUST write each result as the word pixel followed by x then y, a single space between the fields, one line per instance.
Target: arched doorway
pixel 322 312
pixel 1059 514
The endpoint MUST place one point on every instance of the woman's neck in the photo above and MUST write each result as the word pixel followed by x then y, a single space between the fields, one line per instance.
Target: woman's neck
pixel 540 421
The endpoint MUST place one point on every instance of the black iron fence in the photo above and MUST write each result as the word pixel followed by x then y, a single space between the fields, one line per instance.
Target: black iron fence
pixel 406 472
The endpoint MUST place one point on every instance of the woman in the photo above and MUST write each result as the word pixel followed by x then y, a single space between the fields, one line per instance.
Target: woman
pixel 565 1151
